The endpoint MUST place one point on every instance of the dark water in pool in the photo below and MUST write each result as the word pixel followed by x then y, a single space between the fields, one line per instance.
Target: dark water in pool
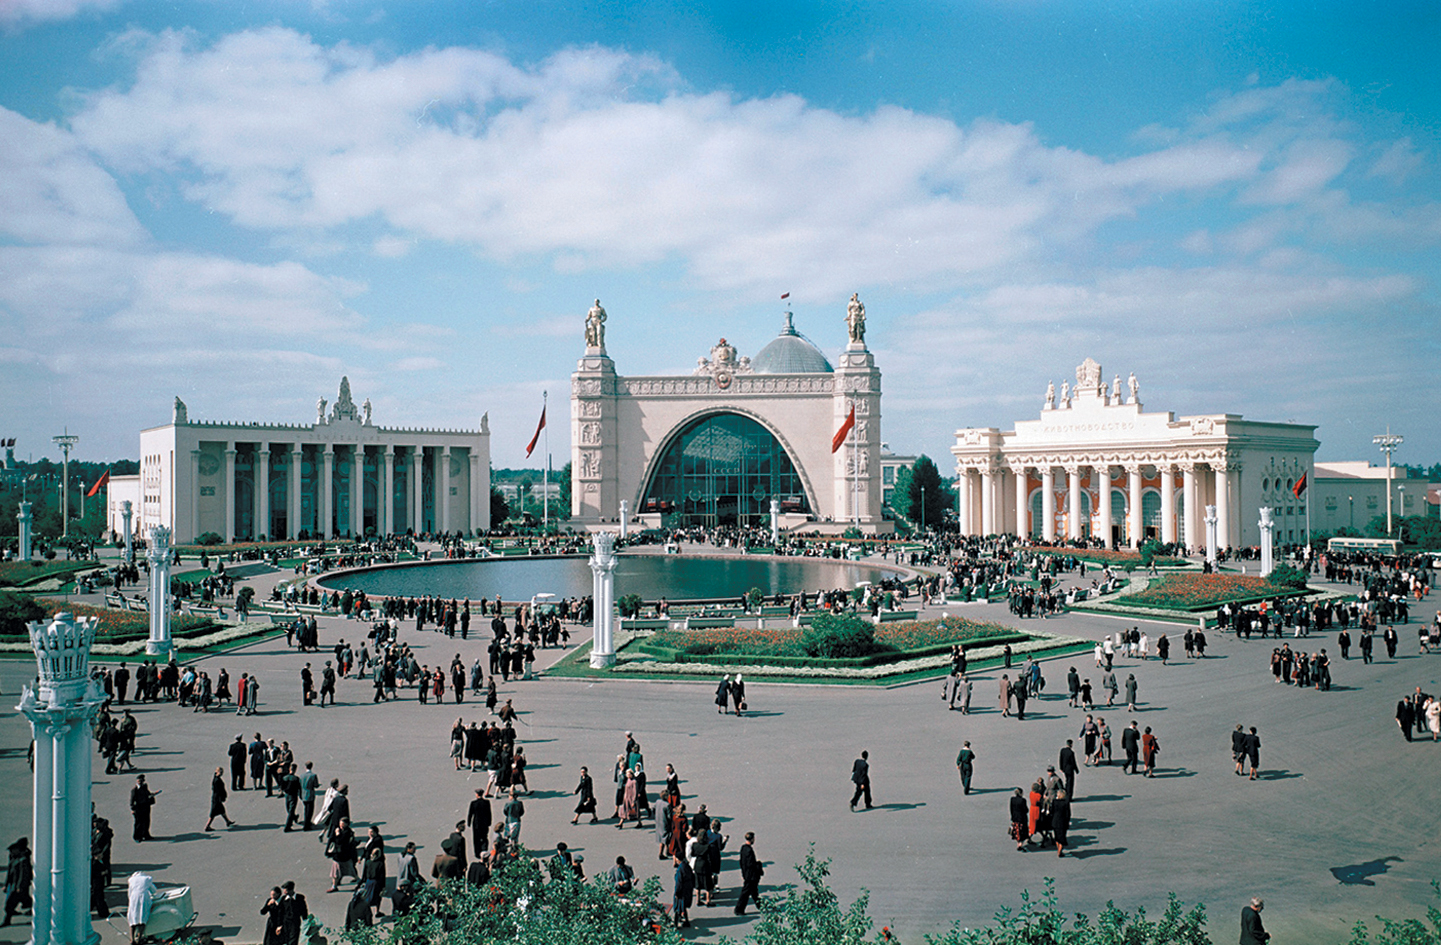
pixel 676 577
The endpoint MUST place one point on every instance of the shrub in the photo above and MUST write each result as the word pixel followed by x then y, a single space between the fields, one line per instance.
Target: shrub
pixel 833 636
pixel 1285 575
pixel 629 605
pixel 17 610
pixel 754 598
pixel 209 538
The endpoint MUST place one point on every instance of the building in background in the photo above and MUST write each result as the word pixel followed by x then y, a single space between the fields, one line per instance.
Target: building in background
pixel 341 476
pixel 1351 494
pixel 1096 465
pixel 714 447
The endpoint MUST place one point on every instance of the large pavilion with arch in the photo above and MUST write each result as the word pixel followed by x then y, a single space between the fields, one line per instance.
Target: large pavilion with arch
pixel 715 447
pixel 1131 475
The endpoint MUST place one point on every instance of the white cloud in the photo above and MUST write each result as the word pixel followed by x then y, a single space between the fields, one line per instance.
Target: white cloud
pixel 1398 162
pixel 14 12
pixel 599 159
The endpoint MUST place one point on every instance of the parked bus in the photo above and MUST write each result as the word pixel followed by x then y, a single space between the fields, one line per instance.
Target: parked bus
pixel 1371 546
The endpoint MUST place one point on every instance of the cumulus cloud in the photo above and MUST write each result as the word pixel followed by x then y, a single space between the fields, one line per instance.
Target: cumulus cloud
pixel 596 158
pixel 20 12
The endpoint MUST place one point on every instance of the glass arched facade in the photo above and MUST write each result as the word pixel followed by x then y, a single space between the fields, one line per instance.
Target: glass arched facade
pixel 723 470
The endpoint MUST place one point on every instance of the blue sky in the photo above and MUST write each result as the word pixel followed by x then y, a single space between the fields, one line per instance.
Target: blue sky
pixel 239 203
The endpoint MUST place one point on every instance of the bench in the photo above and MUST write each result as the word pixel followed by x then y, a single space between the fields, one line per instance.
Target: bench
pixel 115 600
pixel 645 623
pixel 896 616
pixel 776 610
pixel 282 619
pixel 138 604
pixel 710 623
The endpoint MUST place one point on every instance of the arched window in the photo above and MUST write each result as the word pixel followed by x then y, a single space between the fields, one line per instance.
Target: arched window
pixel 1037 524
pixel 1151 512
pixel 723 470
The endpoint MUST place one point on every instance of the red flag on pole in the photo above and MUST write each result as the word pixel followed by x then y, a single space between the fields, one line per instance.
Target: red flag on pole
pixel 785 295
pixel 1300 486
pixel 99 484
pixel 530 447
pixel 846 427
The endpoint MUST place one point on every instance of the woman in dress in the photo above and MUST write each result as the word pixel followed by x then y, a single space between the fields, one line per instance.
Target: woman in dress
pixel 438 685
pixel 722 695
pixel 1105 748
pixel 1038 795
pixel 373 876
pixel 618 774
pixel 274 923
pixel 222 687
pixel 1020 830
pixel 586 790
pixel 1092 735
pixel 491 696
pixel 1150 747
pixel 1433 718
pixel 218 795
pixel 628 808
pixel 1005 695
pixel 517 771
pixel 457 742
pixel 738 693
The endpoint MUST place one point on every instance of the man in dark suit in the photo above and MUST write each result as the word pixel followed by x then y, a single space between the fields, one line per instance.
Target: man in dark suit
pixel 141 800
pixel 1252 931
pixel 1131 745
pixel 238 755
pixel 751 873
pixel 293 911
pixel 965 764
pixel 861 778
pixel 478 819
pixel 1069 767
pixel 1405 716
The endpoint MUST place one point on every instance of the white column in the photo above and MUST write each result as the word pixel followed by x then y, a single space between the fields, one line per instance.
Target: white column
pixel 988 502
pixel 1048 503
pixel 127 512
pixel 1073 520
pixel 476 516
pixel 326 525
pixel 1211 537
pixel 417 493
pixel 194 494
pixel 262 491
pixel 1134 526
pixel 963 502
pixel 1023 508
pixel 158 555
pixel 1189 511
pixel 24 518
pixel 292 525
pixel 602 566
pixel 61 713
pixel 442 488
pixel 1102 475
pixel 775 521
pixel 229 530
pixel 1267 550
pixel 1223 506
pixel 357 491
pixel 1168 502
pixel 385 504
pixel 624 517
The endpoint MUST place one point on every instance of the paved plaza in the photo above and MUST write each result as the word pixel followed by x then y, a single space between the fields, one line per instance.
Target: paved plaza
pixel 1340 827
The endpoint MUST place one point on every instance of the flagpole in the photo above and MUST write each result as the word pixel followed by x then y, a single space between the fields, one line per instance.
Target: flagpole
pixel 856 469
pixel 545 476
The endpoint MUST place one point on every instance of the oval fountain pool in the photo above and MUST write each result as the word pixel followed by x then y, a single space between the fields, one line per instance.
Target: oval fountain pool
pixel 675 577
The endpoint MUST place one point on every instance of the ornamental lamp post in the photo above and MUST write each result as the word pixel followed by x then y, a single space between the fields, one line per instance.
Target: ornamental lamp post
pixel 1388 442
pixel 61 711
pixel 65 442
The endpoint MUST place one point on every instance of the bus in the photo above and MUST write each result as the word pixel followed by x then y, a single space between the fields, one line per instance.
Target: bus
pixel 1370 546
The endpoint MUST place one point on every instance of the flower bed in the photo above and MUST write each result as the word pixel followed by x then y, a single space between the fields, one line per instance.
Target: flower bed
pixel 1190 592
pixel 901 641
pixel 194 551
pixel 25 573
pixel 1115 559
pixel 118 626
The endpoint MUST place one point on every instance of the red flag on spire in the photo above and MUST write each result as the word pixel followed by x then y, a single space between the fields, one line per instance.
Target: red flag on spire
pixel 785 295
pixel 1300 486
pixel 530 447
pixel 845 429
pixel 100 483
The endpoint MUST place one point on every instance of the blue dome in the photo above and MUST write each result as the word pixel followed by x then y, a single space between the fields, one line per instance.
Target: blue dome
pixel 790 353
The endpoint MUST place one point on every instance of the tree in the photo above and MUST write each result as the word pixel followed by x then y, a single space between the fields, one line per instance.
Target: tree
pixel 811 913
pixel 17 610
pixel 562 509
pixel 499 508
pixel 833 636
pixel 921 495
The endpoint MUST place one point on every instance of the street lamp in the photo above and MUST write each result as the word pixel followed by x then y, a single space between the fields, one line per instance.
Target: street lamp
pixel 923 511
pixel 1352 500
pixel 1388 442
pixel 65 442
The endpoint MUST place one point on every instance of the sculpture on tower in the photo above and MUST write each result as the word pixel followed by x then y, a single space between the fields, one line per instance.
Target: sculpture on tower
pixel 856 319
pixel 1135 389
pixel 181 415
pixel 595 327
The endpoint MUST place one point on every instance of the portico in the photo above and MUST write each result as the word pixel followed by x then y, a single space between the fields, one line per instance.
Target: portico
pixel 1095 465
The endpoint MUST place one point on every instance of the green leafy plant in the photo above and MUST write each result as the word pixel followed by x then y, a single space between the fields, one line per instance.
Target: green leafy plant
pixel 754 598
pixel 17 610
pixel 209 538
pixel 839 635
pixel 629 605
pixel 1286 575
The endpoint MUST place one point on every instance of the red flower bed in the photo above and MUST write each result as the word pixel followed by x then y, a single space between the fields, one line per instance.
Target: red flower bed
pixel 908 635
pixel 1102 556
pixel 117 626
pixel 1198 591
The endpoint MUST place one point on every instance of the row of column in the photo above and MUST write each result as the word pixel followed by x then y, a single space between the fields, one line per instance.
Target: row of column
pixel 386 511
pixel 999 494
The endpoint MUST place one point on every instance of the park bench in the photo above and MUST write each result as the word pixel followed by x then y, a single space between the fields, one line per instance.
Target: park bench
pixel 644 623
pixel 137 604
pixel 710 623
pixel 115 600
pixel 896 616
pixel 776 610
